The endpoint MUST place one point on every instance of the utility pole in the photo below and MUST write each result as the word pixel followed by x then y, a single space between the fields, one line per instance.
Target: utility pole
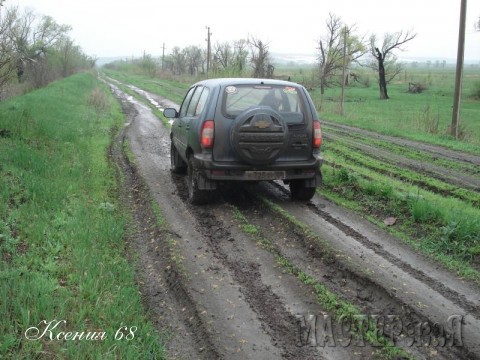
pixel 1 4
pixel 344 68
pixel 163 57
pixel 459 72
pixel 209 49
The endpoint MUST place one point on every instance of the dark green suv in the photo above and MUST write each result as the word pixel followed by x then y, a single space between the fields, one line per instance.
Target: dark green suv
pixel 246 130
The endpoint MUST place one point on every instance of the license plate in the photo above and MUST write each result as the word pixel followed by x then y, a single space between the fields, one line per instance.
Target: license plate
pixel 265 175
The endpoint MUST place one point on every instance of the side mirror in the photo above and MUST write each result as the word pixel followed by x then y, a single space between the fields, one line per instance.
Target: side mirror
pixel 170 113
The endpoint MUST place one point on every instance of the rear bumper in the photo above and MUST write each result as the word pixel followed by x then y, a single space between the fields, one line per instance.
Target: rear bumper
pixel 235 171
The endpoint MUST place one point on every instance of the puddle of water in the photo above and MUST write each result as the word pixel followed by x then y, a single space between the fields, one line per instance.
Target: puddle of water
pixel 147 96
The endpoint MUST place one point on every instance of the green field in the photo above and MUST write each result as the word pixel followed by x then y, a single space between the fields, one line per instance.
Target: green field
pixel 62 229
pixel 424 117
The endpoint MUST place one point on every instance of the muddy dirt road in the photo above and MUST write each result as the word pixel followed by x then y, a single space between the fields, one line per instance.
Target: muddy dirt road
pixel 240 278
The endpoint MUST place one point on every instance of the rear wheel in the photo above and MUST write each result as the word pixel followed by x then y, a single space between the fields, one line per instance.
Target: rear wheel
pixel 178 166
pixel 298 190
pixel 196 196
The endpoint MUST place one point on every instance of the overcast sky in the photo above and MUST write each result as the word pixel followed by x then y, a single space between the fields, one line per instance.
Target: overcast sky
pixel 127 28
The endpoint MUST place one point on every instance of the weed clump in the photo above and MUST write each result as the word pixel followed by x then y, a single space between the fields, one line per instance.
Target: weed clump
pixel 429 120
pixel 461 238
pixel 476 91
pixel 97 99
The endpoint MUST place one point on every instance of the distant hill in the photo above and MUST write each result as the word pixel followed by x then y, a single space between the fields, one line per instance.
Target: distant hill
pixel 107 60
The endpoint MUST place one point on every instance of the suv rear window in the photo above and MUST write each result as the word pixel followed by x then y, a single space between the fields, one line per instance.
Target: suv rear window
pixel 284 99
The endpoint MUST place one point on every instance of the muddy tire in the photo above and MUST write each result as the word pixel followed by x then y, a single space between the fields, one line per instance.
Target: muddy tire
pixel 298 191
pixel 178 166
pixel 259 135
pixel 196 196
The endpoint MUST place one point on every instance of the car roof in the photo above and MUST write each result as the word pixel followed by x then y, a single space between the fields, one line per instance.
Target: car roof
pixel 244 81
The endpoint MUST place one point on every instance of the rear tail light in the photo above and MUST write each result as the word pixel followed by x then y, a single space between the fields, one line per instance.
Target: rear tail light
pixel 207 134
pixel 317 134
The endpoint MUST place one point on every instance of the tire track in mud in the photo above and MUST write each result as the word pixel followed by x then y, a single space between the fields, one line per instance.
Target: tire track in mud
pixel 424 295
pixel 160 281
pixel 279 323
pixel 464 194
pixel 272 310
pixel 450 294
pixel 435 150
pixel 470 306
pixel 278 298
pixel 322 264
pixel 447 175
pixel 202 315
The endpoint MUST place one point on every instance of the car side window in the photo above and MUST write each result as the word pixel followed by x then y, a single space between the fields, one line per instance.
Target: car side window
pixel 186 102
pixel 202 101
pixel 192 107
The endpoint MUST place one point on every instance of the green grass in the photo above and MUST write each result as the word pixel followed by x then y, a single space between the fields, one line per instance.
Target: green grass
pixel 404 114
pixel 405 151
pixel 446 229
pixel 342 154
pixel 62 228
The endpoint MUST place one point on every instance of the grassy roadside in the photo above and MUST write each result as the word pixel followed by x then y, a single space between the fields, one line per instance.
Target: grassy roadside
pixel 61 230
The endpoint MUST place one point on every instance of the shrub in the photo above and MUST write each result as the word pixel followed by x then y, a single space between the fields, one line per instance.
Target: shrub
pixel 425 212
pixel 346 177
pixel 462 237
pixel 476 91
pixel 416 88
pixel 429 120
pixel 366 82
pixel 98 100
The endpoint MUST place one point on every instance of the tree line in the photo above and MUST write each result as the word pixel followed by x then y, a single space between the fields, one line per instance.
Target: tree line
pixel 35 50
pixel 234 58
pixel 338 49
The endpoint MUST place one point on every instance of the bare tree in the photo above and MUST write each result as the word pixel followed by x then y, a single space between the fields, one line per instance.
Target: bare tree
pixel 240 54
pixel 331 49
pixel 260 57
pixel 193 58
pixel 32 41
pixel 7 57
pixel 223 54
pixel 37 50
pixel 385 61
pixel 178 61
pixel 71 57
pixel 148 64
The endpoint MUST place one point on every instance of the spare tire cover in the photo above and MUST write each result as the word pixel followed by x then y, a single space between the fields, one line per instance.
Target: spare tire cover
pixel 259 135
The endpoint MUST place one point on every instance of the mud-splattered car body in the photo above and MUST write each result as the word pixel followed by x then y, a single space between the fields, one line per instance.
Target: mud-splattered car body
pixel 246 130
